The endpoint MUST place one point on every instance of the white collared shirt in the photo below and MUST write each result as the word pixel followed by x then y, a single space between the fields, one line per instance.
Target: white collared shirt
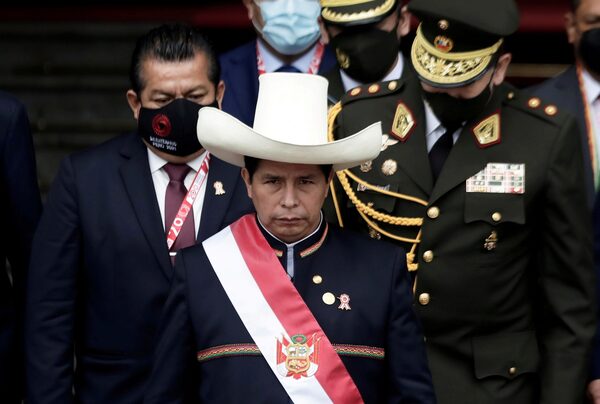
pixel 592 92
pixel 160 178
pixel 434 129
pixel 394 74
pixel 273 63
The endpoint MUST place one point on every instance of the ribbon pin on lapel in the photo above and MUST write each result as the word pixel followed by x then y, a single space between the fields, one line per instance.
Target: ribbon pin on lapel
pixel 344 302
pixel 219 188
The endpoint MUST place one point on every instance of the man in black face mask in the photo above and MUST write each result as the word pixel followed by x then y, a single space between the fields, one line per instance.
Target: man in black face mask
pixel 505 285
pixel 366 40
pixel 115 218
pixel 577 89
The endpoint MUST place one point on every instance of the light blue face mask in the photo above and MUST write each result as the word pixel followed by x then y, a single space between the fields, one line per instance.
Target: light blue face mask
pixel 291 26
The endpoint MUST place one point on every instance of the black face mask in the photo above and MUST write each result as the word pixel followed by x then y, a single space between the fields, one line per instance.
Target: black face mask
pixel 452 112
pixel 589 50
pixel 366 55
pixel 172 128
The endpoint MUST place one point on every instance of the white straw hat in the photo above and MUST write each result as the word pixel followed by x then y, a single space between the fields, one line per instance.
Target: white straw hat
pixel 290 125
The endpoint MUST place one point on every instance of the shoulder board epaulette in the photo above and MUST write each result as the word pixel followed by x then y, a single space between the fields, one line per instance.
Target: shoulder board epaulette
pixel 372 90
pixel 535 106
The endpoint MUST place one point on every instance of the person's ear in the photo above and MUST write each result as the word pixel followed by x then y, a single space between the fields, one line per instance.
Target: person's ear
pixel 501 68
pixel 404 22
pixel 220 93
pixel 324 33
pixel 571 28
pixel 248 181
pixel 134 103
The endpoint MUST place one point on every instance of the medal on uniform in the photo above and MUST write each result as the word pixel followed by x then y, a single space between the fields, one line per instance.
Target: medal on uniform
pixel 389 167
pixel 387 141
pixel 344 302
pixel 366 166
pixel 491 241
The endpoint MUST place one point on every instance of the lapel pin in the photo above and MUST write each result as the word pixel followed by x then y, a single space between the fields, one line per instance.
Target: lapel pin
pixel 344 302
pixel 219 188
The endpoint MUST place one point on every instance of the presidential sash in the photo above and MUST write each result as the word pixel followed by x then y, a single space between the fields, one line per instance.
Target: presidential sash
pixel 287 334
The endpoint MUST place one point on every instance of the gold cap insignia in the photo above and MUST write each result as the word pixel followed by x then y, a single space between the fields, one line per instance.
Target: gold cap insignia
pixel 403 122
pixel 330 13
pixel 448 68
pixel 443 43
pixel 487 132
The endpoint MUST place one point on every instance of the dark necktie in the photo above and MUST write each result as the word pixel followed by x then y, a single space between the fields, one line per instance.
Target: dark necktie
pixel 288 69
pixel 176 191
pixel 440 151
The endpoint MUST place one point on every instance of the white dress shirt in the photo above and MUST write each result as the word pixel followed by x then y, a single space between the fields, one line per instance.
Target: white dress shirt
pixel 160 178
pixel 434 129
pixel 394 74
pixel 273 63
pixel 592 93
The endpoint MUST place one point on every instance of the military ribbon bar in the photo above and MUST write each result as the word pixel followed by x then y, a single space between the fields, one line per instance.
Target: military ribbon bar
pixel 287 334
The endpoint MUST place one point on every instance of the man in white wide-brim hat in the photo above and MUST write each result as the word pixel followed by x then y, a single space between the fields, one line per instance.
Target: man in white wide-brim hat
pixel 280 307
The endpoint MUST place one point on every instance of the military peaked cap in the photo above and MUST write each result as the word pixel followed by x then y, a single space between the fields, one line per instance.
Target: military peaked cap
pixel 356 12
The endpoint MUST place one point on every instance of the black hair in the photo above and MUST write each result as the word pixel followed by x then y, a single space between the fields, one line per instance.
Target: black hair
pixel 171 43
pixel 575 5
pixel 251 164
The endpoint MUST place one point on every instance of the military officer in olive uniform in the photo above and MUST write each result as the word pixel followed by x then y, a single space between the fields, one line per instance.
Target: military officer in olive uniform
pixel 365 37
pixel 505 283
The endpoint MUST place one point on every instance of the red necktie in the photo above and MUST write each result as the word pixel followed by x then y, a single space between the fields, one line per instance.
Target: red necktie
pixel 176 191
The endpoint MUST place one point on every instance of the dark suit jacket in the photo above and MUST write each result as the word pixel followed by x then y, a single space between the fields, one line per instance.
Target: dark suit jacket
pixel 100 273
pixel 240 74
pixel 563 91
pixel 504 324
pixel 199 316
pixel 21 207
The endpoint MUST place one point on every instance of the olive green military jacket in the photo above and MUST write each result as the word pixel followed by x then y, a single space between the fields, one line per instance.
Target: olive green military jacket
pixel 505 282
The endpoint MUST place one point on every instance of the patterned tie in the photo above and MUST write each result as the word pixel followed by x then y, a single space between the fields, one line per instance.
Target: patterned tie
pixel 440 151
pixel 176 191
pixel 288 69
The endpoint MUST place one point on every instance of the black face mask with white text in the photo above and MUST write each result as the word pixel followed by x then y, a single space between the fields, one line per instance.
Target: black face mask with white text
pixel 172 128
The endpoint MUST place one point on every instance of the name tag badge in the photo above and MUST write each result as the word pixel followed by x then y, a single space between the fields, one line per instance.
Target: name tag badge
pixel 499 178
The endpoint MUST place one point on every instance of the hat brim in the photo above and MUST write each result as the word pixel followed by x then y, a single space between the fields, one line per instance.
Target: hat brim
pixel 451 69
pixel 230 140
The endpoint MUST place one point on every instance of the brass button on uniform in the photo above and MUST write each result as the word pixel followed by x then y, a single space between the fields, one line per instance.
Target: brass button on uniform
pixel 317 279
pixel 496 216
pixel 512 371
pixel 424 299
pixel 428 256
pixel 328 298
pixel 433 212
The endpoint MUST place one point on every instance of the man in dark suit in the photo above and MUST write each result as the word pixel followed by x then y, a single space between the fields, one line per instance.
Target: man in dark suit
pixel 365 37
pixel 21 208
pixel 116 213
pixel 577 89
pixel 288 40
pixel 343 330
pixel 505 282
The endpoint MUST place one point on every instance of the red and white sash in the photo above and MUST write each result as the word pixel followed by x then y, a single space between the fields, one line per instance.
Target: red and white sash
pixel 282 326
